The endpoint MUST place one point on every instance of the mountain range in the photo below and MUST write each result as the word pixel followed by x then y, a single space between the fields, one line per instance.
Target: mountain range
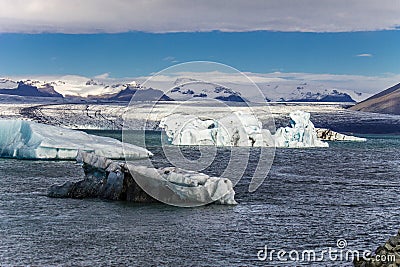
pixel 72 87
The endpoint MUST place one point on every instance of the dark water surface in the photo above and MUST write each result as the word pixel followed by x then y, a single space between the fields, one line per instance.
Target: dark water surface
pixel 311 198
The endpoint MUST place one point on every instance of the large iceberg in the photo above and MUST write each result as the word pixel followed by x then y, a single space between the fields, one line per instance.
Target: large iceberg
pixel 112 180
pixel 240 129
pixel 29 140
pixel 237 129
pixel 300 133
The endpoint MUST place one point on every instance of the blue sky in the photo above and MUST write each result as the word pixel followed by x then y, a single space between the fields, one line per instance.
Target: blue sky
pixel 339 40
pixel 137 53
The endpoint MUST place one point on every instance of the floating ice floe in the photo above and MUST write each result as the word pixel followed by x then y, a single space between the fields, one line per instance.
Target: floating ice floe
pixel 29 140
pixel 240 129
pixel 182 187
pixel 329 135
pixel 127 181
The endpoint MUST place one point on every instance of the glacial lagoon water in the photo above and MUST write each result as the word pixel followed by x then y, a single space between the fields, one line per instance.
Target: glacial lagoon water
pixel 310 199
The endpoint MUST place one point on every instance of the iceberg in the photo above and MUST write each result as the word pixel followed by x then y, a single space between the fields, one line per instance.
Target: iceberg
pixel 329 135
pixel 30 140
pixel 237 129
pixel 240 129
pixel 181 187
pixel 300 133
pixel 107 179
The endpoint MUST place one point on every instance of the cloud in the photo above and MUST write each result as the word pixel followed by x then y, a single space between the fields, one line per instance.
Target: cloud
pixel 364 55
pixel 103 76
pixel 170 59
pixel 93 16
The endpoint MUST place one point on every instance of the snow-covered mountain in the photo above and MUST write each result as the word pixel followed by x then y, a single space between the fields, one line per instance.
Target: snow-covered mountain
pixel 292 91
pixel 78 87
pixel 25 89
pixel 186 88
pixel 182 89
pixel 70 86
pixel 282 91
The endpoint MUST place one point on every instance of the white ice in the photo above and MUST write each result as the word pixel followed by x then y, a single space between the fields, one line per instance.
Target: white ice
pixel 188 186
pixel 240 129
pixel 328 134
pixel 30 140
pixel 300 133
pixel 170 184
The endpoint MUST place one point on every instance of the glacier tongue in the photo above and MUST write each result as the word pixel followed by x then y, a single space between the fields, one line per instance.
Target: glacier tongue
pixel 240 129
pixel 29 140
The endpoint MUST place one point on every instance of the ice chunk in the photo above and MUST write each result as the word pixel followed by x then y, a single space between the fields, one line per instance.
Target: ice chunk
pixel 328 134
pixel 131 182
pixel 300 133
pixel 240 129
pixel 183 188
pixel 237 129
pixel 30 140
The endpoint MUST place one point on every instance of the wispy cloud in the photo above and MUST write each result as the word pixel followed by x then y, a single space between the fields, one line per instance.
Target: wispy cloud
pixel 103 76
pixel 170 59
pixel 364 55
pixel 93 16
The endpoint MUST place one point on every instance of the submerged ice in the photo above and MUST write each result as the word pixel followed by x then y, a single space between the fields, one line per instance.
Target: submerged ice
pixel 240 129
pixel 30 140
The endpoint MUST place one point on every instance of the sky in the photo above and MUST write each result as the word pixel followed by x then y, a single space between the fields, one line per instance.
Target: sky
pixel 122 38
pixel 137 53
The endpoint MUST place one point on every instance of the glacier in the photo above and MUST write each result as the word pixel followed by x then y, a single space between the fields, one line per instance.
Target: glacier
pixel 240 129
pixel 30 140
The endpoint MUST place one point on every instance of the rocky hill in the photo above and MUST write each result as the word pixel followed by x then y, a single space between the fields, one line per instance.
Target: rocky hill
pixel 387 102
